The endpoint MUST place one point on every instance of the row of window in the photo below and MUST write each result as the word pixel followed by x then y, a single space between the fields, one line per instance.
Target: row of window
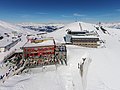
pixel 85 44
pixel 85 39
pixel 38 49
pixel 88 45
pixel 38 54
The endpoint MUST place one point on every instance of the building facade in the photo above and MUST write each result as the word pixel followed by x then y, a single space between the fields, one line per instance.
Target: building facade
pixel 82 38
pixel 42 53
pixel 85 41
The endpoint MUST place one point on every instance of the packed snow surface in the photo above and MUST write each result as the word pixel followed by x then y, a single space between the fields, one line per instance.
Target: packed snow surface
pixel 103 71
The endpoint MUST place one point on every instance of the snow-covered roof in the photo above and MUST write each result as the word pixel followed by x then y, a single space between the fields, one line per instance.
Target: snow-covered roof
pixel 18 50
pixel 85 26
pixel 44 43
pixel 6 41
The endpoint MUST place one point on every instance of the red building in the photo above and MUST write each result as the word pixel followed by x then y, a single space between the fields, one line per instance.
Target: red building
pixel 44 52
pixel 40 53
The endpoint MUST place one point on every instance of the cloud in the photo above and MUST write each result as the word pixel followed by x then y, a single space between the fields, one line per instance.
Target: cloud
pixel 25 16
pixel 31 15
pixel 73 15
pixel 41 13
pixel 66 16
pixel 118 10
pixel 108 15
pixel 78 15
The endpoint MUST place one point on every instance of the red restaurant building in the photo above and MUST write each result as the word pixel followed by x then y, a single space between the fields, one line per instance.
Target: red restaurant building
pixel 42 53
pixel 39 53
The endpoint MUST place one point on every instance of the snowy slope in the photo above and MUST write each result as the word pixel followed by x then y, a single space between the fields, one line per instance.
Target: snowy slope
pixel 103 71
pixel 59 34
pixel 112 25
pixel 7 27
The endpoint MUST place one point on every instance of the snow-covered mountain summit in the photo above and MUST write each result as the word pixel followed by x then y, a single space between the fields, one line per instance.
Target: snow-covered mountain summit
pixel 7 27
pixel 76 26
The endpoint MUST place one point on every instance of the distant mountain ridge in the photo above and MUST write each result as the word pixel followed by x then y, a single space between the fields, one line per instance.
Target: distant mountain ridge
pixel 112 25
pixel 41 27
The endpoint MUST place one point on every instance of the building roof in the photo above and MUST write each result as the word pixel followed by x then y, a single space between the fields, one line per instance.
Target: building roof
pixel 18 51
pixel 6 41
pixel 76 32
pixel 44 43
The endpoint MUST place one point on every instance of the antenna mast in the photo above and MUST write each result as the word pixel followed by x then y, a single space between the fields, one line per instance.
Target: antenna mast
pixel 80 26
